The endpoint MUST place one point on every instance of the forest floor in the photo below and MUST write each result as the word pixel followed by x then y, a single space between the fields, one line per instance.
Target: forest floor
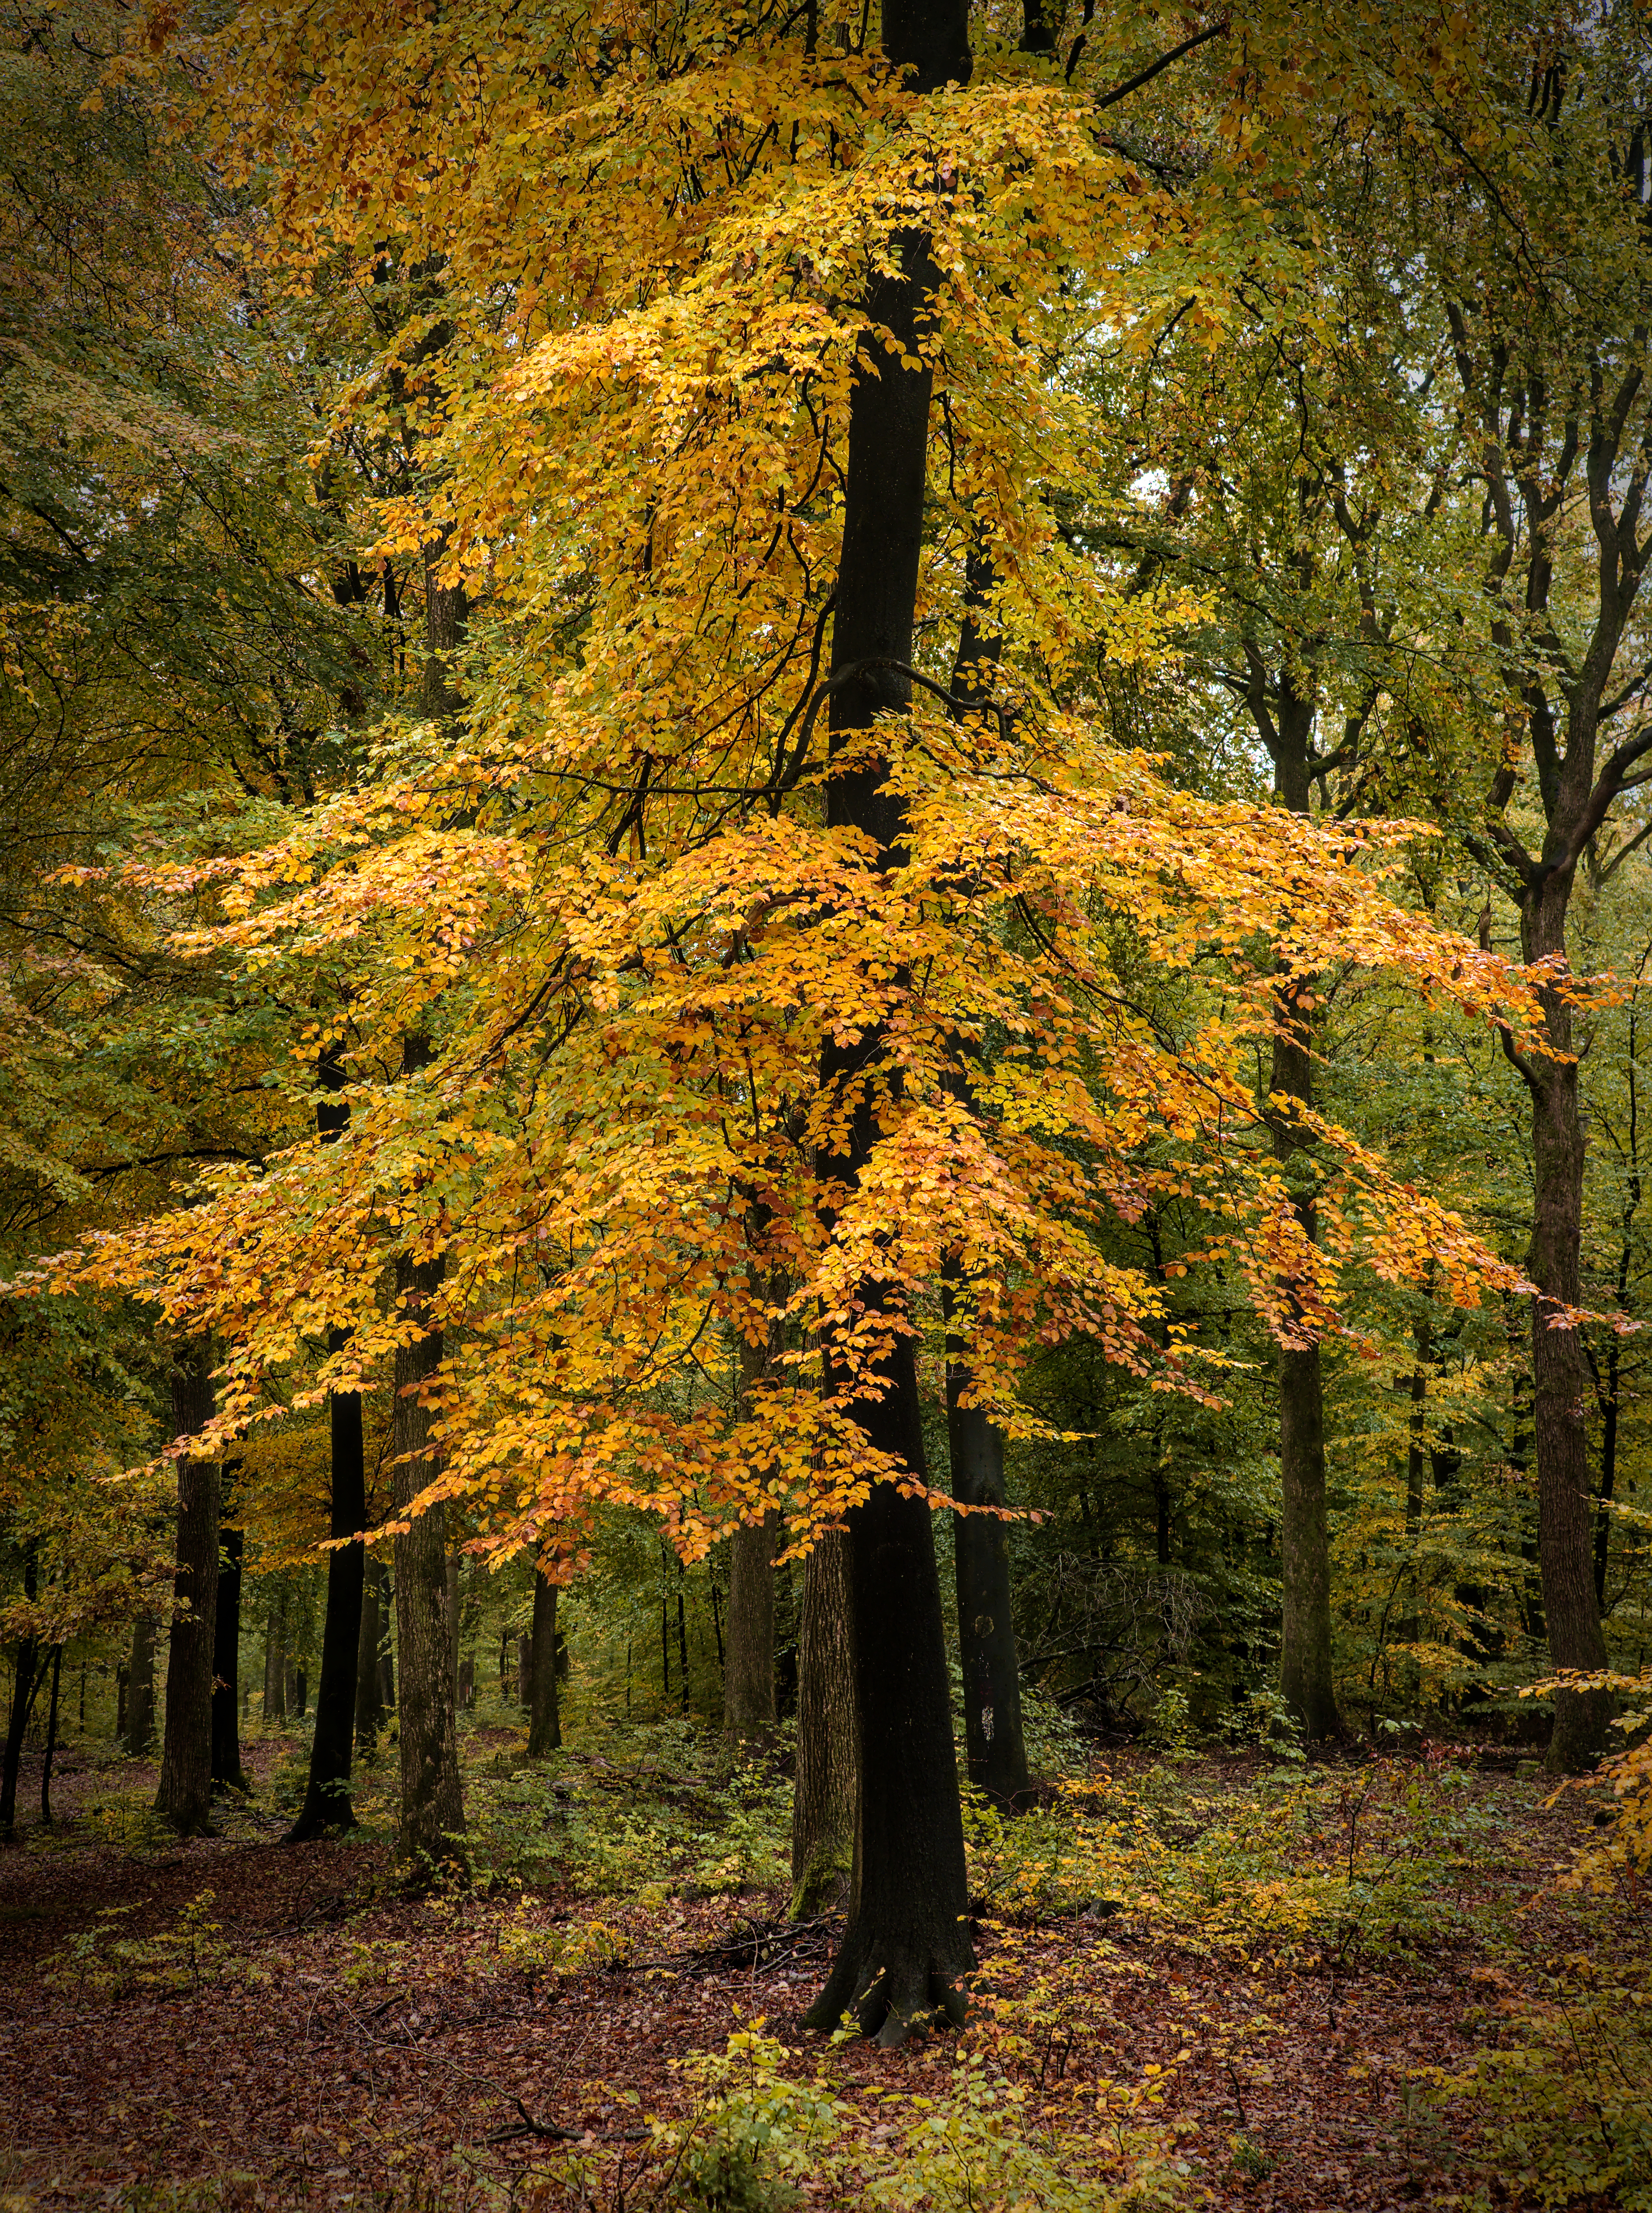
pixel 1205 1981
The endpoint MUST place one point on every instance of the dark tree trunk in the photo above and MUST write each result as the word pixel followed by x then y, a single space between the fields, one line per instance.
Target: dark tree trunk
pixel 823 1794
pixel 1305 1679
pixel 184 1796
pixel 748 1708
pixel 544 1718
pixel 454 1619
pixel 275 1654
pixel 1560 1377
pixel 432 1801
pixel 139 1734
pixel 25 1682
pixel 387 1640
pixel 326 1800
pixel 369 1682
pixel 51 1739
pixel 227 1770
pixel 906 1949
pixel 995 1748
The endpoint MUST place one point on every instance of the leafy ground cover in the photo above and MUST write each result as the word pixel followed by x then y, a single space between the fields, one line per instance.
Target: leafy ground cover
pixel 1205 1980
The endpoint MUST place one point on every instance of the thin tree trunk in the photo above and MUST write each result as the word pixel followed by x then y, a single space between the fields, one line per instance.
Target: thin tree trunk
pixel 995 1746
pixel 432 1801
pixel 906 1949
pixel 326 1800
pixel 1305 1678
pixel 227 1770
pixel 748 1708
pixel 545 1717
pixel 51 1739
pixel 823 1793
pixel 369 1697
pixel 26 1681
pixel 275 1654
pixel 1560 1377
pixel 139 1734
pixel 387 1639
pixel 184 1796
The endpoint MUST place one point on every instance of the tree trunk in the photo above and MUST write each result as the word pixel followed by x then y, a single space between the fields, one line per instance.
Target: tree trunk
pixel 823 1794
pixel 275 1654
pixel 432 1802
pixel 1560 1377
pixel 995 1748
pixel 906 1949
pixel 139 1735
pixel 51 1739
pixel 748 1710
pixel 185 1796
pixel 369 1693
pixel 227 1770
pixel 1305 1679
pixel 387 1639
pixel 326 1800
pixel 25 1682
pixel 453 1604
pixel 545 1719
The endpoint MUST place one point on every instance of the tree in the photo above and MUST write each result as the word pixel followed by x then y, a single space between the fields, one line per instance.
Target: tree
pixel 326 1796
pixel 184 1794
pixel 544 1722
pixel 666 955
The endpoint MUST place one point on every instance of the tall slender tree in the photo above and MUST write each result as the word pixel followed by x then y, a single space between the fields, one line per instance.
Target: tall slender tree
pixel 906 1948
pixel 326 1796
pixel 184 1794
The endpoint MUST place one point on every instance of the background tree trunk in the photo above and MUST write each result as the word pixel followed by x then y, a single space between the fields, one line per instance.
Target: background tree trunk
pixel 544 1718
pixel 51 1739
pixel 748 1708
pixel 26 1680
pixel 1561 1384
pixel 432 1802
pixel 140 1688
pixel 369 1685
pixel 275 1654
pixel 227 1770
pixel 185 1796
pixel 995 1748
pixel 823 1794
pixel 1305 1678
pixel 326 1800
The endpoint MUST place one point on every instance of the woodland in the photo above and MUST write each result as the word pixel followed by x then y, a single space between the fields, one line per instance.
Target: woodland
pixel 823 891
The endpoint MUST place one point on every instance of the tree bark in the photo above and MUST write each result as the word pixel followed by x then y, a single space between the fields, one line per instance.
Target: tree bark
pixel 823 1793
pixel 326 1800
pixel 432 1801
pixel 275 1654
pixel 369 1681
pixel 25 1682
pixel 1560 1377
pixel 1305 1678
pixel 748 1708
pixel 51 1739
pixel 227 1770
pixel 184 1796
pixel 906 1948
pixel 995 1746
pixel 544 1718
pixel 139 1734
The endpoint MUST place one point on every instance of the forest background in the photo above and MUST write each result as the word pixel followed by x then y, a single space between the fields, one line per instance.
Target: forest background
pixel 595 1000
